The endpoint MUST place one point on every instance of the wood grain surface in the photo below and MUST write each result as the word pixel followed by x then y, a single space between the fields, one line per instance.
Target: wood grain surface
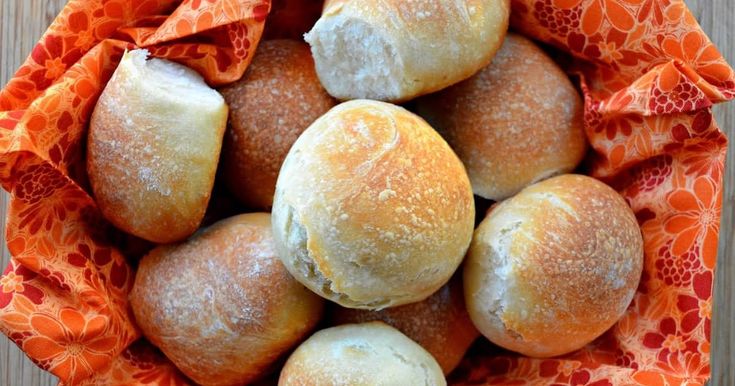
pixel 23 21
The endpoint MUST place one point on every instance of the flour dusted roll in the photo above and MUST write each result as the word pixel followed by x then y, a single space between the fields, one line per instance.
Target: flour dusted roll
pixel 372 208
pixel 553 267
pixel 276 100
pixel 439 323
pixel 517 121
pixel 221 305
pixel 153 146
pixel 360 354
pixel 394 50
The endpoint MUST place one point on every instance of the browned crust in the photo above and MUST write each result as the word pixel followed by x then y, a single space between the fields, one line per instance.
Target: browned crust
pixel 385 203
pixel 440 323
pixel 275 101
pixel 142 183
pixel 576 256
pixel 515 122
pixel 221 306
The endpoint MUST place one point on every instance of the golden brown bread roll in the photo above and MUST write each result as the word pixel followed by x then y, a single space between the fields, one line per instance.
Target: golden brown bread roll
pixel 372 207
pixel 153 146
pixel 276 100
pixel 516 122
pixel 221 305
pixel 439 323
pixel 395 50
pixel 360 354
pixel 554 267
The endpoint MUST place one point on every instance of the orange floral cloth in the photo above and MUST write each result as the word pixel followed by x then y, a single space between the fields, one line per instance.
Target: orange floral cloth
pixel 649 77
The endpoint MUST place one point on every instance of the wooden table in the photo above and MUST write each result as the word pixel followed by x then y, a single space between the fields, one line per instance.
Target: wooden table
pixel 23 21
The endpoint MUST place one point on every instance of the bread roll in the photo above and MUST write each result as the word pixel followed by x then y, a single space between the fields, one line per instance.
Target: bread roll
pixel 440 323
pixel 554 267
pixel 516 122
pixel 372 207
pixel 153 146
pixel 221 305
pixel 360 354
pixel 276 100
pixel 394 50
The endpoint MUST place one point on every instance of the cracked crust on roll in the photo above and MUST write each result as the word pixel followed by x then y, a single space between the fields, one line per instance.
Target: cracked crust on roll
pixel 372 208
pixel 153 146
pixel 552 268
pixel 394 50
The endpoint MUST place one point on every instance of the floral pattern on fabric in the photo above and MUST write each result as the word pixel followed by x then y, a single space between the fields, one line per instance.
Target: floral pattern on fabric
pixel 63 299
pixel 649 77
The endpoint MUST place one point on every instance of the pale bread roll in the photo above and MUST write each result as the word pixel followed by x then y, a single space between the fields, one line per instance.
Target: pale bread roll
pixel 153 146
pixel 439 323
pixel 372 207
pixel 276 100
pixel 221 305
pixel 360 354
pixel 516 122
pixel 554 267
pixel 395 50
